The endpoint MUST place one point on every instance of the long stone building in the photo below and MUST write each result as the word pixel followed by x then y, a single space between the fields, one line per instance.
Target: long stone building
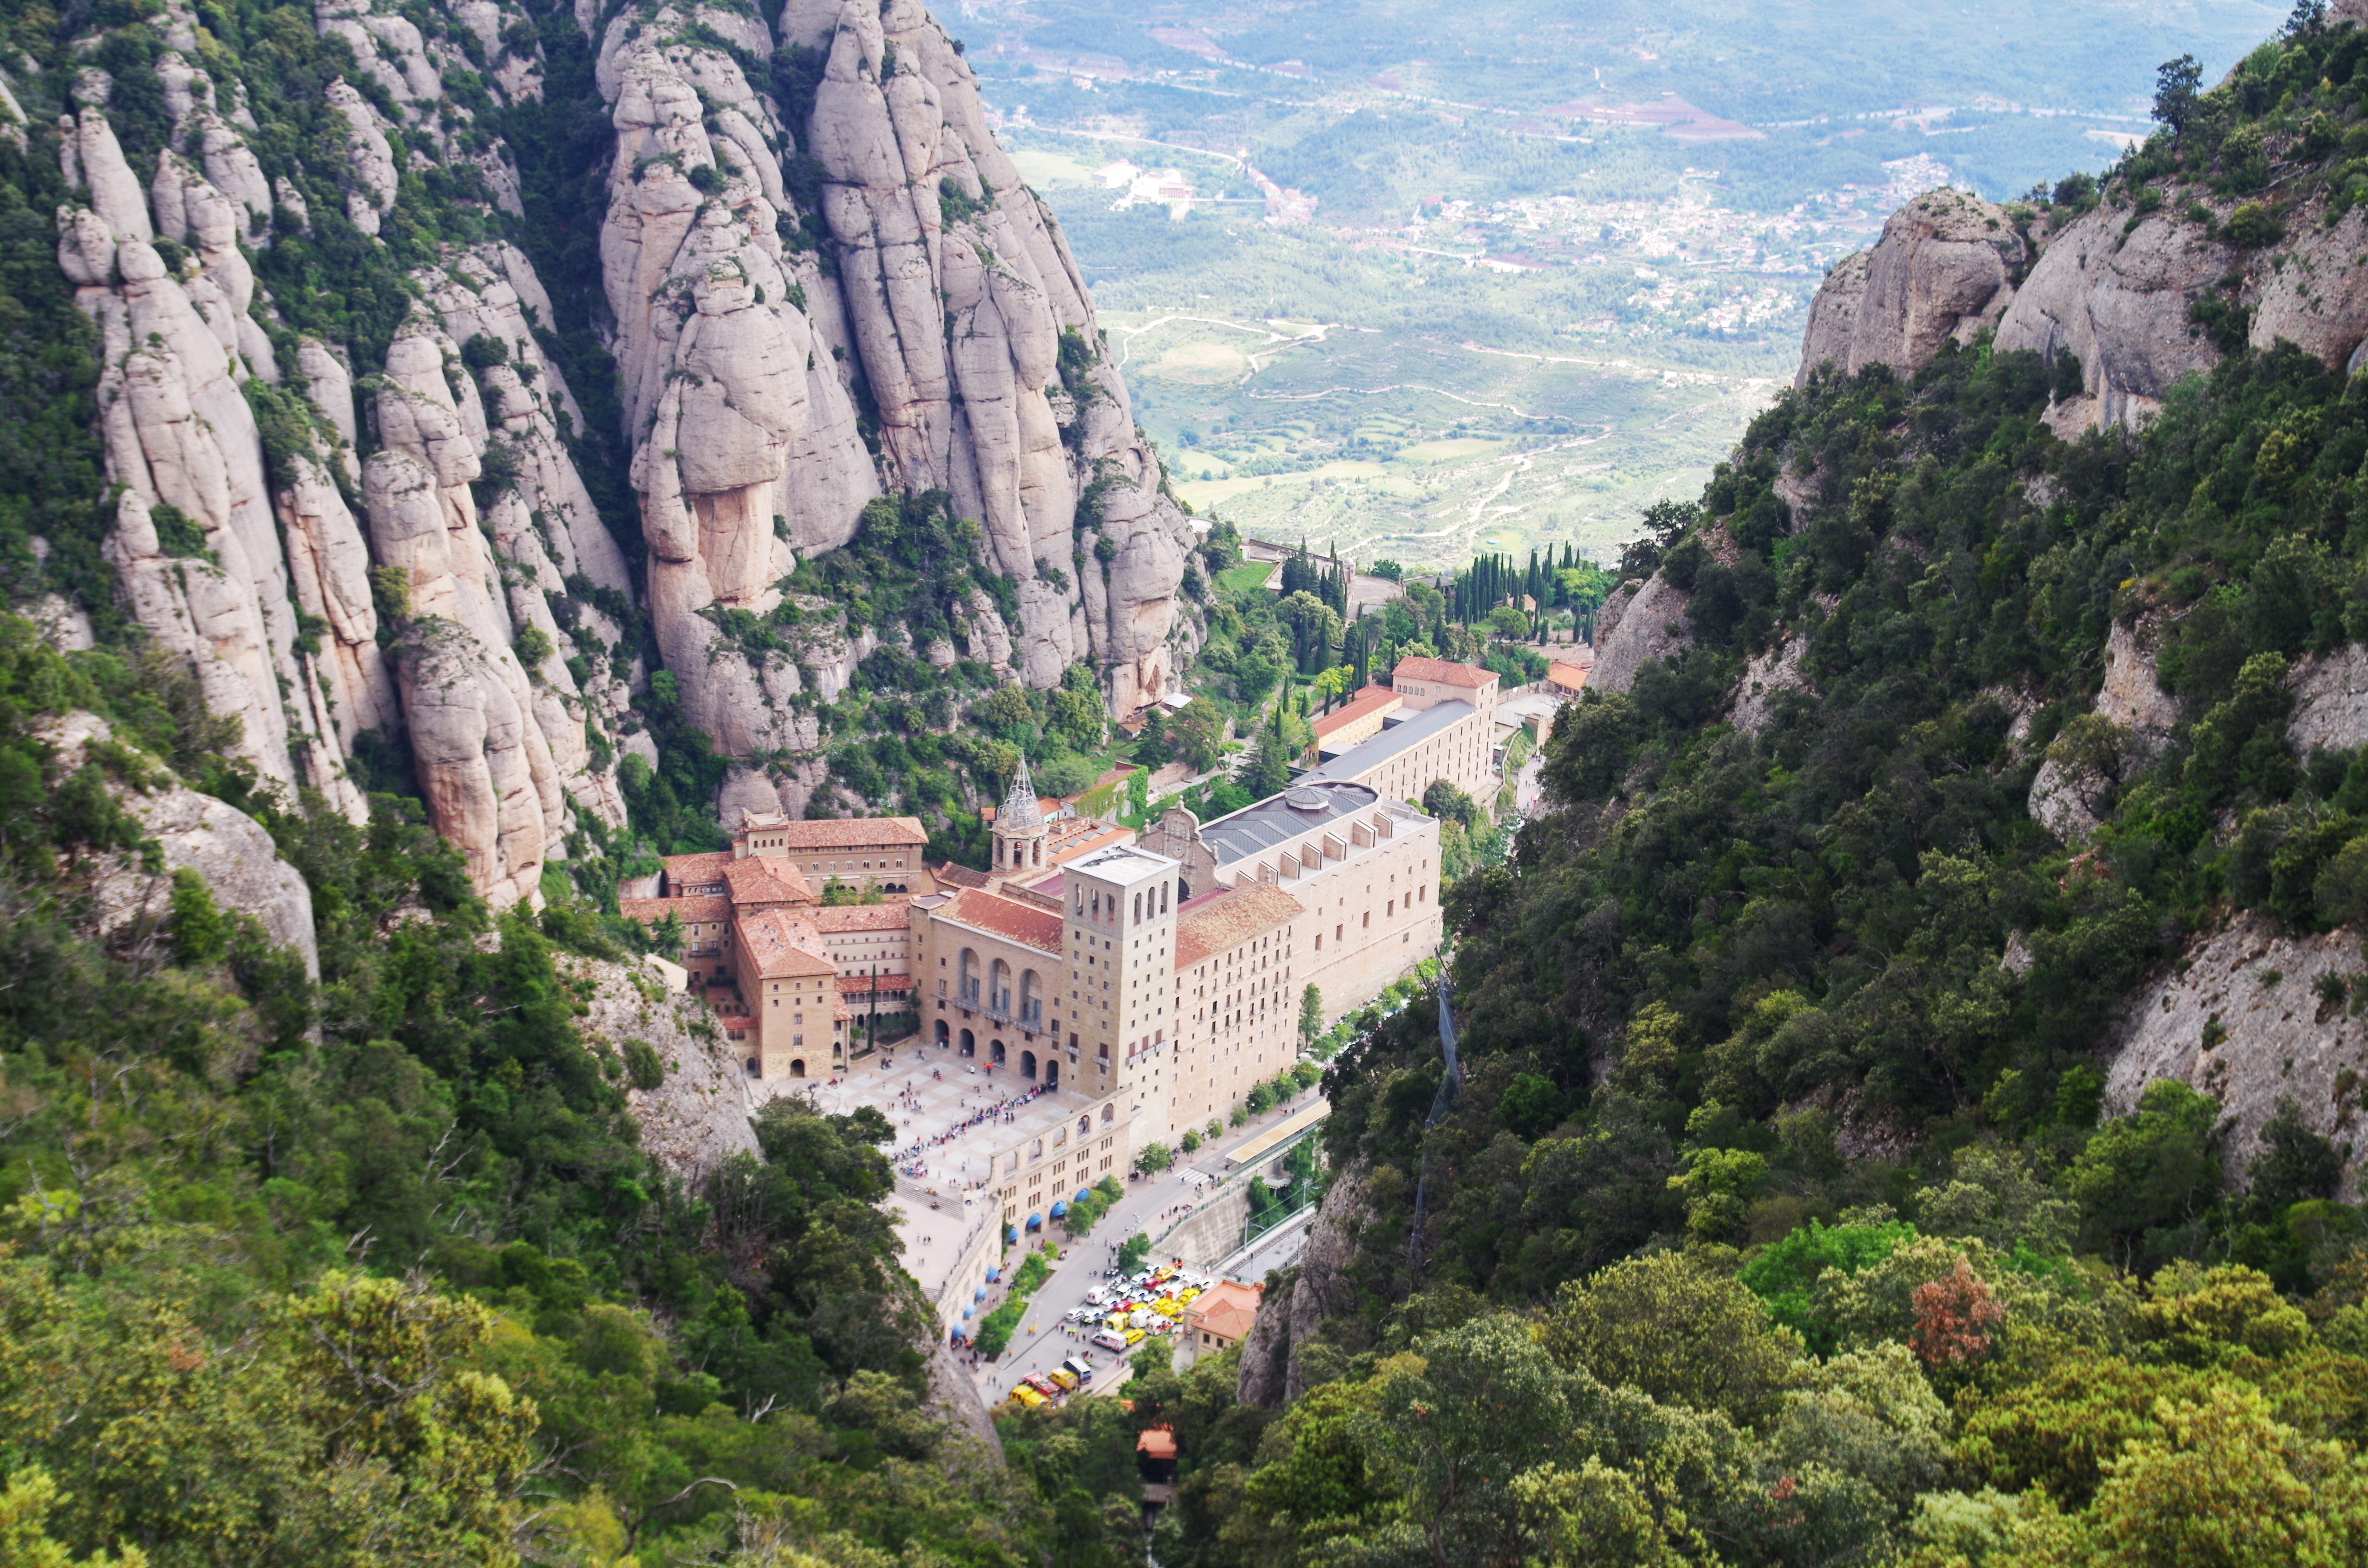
pixel 1435 720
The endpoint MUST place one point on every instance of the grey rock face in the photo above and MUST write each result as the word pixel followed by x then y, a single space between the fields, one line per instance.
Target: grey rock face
pixel 2120 302
pixel 1941 271
pixel 745 363
pixel 1636 624
pixel 198 833
pixel 2243 1024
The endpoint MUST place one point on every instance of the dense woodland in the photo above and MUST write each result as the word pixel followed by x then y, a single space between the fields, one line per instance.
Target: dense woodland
pixel 1774 1217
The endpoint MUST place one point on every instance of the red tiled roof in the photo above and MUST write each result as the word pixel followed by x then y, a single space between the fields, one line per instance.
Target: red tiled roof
pixel 852 833
pixel 1364 705
pixel 1024 923
pixel 844 917
pixel 1223 919
pixel 1086 837
pixel 1571 676
pixel 703 870
pixel 1441 671
pixel 1226 1308
pixel 860 984
pixel 961 876
pixel 778 943
pixel 765 879
pixel 704 907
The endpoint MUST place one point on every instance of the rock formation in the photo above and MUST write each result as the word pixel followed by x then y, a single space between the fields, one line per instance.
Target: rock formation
pixel 353 532
pixel 1941 271
pixel 948 345
pixel 2113 287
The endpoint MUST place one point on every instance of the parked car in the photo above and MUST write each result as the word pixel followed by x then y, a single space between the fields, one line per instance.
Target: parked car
pixel 1062 1376
pixel 1133 1337
pixel 1111 1339
pixel 1027 1396
pixel 1042 1384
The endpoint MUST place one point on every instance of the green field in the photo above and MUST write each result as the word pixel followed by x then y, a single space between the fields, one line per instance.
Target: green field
pixel 1427 296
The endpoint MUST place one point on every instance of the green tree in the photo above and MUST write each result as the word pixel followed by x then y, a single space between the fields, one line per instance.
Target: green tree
pixel 1668 1325
pixel 2148 1173
pixel 1311 1017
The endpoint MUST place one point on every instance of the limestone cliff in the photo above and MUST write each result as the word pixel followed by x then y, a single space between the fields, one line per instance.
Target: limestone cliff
pixel 936 336
pixel 347 465
pixel 2117 287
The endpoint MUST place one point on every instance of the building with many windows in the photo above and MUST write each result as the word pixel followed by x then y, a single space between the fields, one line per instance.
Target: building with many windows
pixel 1436 719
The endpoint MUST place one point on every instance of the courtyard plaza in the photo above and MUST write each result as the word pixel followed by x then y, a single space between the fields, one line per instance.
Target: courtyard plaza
pixel 950 1112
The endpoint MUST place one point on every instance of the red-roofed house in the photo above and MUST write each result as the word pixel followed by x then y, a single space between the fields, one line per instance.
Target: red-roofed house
pixel 1221 1315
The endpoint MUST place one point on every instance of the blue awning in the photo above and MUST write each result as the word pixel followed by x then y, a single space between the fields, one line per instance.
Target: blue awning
pixel 1035 1221
pixel 993 1275
pixel 979 1294
pixel 965 1311
pixel 1059 1209
pixel 1082 1193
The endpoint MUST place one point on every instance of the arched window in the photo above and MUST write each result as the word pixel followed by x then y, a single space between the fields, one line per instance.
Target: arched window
pixel 1138 906
pixel 1162 898
pixel 1084 1125
pixel 798 1067
pixel 1027 1064
pixel 999 987
pixel 1052 1073
pixel 1031 1000
pixel 969 979
pixel 1109 1112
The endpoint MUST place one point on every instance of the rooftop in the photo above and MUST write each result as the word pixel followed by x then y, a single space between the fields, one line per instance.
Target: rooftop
pixel 1223 919
pixel 780 943
pixel 1442 671
pixel 690 911
pixel 1364 705
pixel 700 870
pixel 1123 864
pixel 1369 754
pixel 1226 1309
pixel 1279 819
pixel 765 879
pixel 862 917
pixel 1006 918
pixel 852 833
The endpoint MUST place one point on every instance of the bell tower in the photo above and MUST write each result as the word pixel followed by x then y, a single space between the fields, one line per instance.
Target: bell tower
pixel 1018 828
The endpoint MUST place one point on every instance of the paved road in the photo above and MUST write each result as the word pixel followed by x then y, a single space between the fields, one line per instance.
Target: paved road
pixel 1151 1204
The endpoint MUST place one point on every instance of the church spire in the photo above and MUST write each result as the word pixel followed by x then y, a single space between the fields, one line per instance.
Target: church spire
pixel 1019 808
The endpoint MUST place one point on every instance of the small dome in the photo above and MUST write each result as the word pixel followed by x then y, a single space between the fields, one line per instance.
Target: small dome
pixel 1303 799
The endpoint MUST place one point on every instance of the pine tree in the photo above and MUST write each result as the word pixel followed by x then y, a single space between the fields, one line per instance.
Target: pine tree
pixel 1151 747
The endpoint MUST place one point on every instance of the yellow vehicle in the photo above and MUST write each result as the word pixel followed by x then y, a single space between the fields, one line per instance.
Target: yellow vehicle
pixel 1167 1309
pixel 1133 1337
pixel 1027 1396
pixel 1115 1322
pixel 1063 1375
pixel 1187 1297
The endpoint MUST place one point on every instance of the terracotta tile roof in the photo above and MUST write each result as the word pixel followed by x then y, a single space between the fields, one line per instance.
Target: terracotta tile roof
pixel 961 876
pixel 853 833
pixel 860 984
pixel 779 944
pixel 765 879
pixel 1441 671
pixel 1226 1308
pixel 1364 705
pixel 1082 839
pixel 700 870
pixel 861 917
pixel 1571 676
pixel 1224 918
pixel 1006 917
pixel 704 907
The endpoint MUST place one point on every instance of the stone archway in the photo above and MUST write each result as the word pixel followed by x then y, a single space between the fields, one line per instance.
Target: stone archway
pixel 969 1043
pixel 995 1048
pixel 1027 1064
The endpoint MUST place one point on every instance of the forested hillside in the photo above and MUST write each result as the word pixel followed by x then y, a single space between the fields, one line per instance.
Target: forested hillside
pixel 1780 1212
